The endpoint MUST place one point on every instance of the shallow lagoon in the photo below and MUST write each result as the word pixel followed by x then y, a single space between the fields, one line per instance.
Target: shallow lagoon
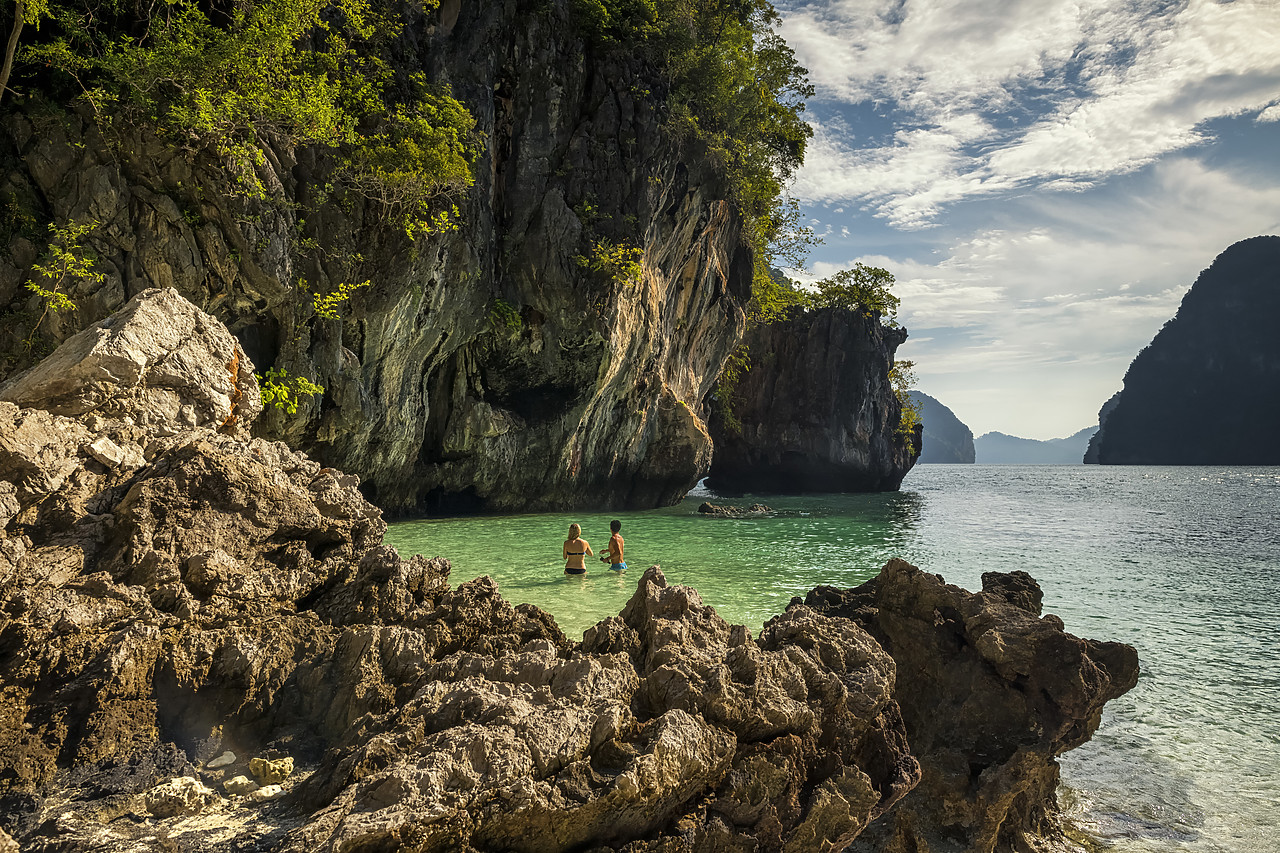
pixel 1182 563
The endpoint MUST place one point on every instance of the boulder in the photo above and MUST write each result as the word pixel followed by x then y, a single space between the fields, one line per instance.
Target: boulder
pixel 159 360
pixel 271 771
pixel 728 511
pixel 238 786
pixel 179 797
pixel 991 692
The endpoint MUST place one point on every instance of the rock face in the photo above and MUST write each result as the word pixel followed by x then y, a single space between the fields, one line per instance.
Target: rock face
pixel 1091 452
pixel 815 412
pixel 991 693
pixel 945 438
pixel 226 610
pixel 483 369
pixel 1206 391
pixel 729 511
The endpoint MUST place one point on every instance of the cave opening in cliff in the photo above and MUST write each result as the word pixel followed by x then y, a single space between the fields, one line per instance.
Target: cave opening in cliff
pixel 441 501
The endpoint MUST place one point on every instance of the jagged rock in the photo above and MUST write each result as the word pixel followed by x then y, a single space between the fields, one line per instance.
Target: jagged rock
pixel 233 595
pixel 991 693
pixel 727 511
pixel 270 771
pixel 238 786
pixel 178 797
pixel 265 793
pixel 615 744
pixel 224 760
pixel 815 410
pixel 159 360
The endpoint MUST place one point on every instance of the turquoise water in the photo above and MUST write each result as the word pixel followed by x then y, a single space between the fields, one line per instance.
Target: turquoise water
pixel 1182 563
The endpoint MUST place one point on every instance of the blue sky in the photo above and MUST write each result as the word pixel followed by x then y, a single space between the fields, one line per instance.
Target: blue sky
pixel 1045 178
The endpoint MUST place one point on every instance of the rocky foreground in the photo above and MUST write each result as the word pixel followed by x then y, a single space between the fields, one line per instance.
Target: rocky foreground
pixel 205 646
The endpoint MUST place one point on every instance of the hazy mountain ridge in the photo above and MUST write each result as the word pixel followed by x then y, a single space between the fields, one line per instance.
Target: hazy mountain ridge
pixel 997 448
pixel 946 438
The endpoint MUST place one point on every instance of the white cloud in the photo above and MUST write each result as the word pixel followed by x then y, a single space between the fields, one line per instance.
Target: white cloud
pixel 1107 89
pixel 1028 325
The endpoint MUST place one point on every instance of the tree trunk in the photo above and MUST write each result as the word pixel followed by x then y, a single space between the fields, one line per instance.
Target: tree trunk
pixel 19 16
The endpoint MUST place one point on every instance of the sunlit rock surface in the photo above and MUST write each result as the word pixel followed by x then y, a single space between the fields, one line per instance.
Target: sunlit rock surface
pixel 226 610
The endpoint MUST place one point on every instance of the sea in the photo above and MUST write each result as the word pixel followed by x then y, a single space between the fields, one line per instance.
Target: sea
pixel 1181 562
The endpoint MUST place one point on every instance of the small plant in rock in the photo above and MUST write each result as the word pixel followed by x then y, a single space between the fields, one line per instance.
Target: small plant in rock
pixel 503 315
pixel 64 264
pixel 902 377
pixel 618 261
pixel 326 305
pixel 283 391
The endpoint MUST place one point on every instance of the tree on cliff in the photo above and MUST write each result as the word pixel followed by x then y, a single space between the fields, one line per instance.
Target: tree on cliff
pixel 234 76
pixel 734 85
pixel 25 12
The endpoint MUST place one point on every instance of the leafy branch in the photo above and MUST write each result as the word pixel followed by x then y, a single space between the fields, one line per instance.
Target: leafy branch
pixel 283 391
pixel 64 264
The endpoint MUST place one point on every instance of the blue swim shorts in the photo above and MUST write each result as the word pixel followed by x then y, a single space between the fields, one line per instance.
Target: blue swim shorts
pixel 618 567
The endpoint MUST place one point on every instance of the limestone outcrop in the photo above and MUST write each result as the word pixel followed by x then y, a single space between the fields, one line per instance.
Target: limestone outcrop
pixel 991 692
pixel 211 649
pixel 730 511
pixel 488 368
pixel 815 410
pixel 1206 390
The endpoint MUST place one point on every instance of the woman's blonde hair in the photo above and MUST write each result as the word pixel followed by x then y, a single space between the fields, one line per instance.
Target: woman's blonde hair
pixel 574 531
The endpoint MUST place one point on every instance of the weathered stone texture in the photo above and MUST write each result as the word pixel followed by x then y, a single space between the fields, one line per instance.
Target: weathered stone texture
pixel 815 410
pixel 591 395
pixel 991 692
pixel 225 609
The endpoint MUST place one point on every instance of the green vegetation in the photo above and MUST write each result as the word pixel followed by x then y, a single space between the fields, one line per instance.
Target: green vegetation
pixel 326 305
pixel 863 289
pixel 232 75
pixel 902 377
pixel 735 367
pixel 65 263
pixel 283 391
pixel 732 85
pixel 617 261
pixel 503 315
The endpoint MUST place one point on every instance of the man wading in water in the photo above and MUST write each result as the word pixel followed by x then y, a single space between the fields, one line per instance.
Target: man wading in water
pixel 574 547
pixel 615 549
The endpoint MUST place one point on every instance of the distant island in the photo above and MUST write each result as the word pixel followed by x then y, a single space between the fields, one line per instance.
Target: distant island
pixel 946 439
pixel 1206 390
pixel 996 448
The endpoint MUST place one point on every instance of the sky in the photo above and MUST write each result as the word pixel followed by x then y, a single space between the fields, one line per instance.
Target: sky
pixel 1044 178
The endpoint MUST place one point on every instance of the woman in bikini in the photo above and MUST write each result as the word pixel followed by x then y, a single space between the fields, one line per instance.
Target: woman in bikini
pixel 575 547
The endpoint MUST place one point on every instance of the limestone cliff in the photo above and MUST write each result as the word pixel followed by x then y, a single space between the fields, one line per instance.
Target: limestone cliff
pixel 482 369
pixel 815 410
pixel 1206 391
